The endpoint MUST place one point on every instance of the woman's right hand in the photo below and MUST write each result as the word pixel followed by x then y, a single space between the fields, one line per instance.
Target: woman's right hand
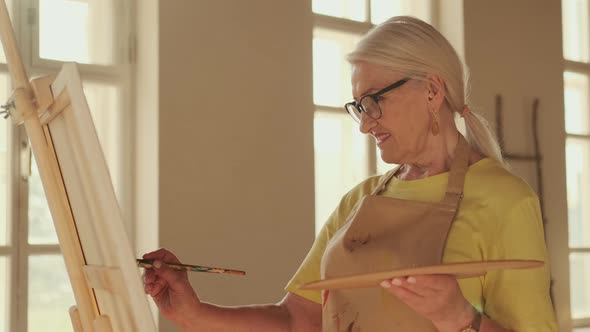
pixel 170 288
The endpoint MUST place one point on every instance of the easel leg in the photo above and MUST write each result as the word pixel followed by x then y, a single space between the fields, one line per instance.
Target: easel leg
pixel 102 324
pixel 75 317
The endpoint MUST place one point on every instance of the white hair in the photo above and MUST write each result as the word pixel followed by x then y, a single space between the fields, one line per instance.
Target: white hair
pixel 409 45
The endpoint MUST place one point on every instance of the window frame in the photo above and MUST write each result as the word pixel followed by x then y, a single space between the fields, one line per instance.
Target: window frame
pixel 581 68
pixel 25 14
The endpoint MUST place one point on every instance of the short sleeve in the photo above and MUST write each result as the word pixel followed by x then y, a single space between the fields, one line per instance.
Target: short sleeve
pixel 310 269
pixel 520 300
pixel 311 265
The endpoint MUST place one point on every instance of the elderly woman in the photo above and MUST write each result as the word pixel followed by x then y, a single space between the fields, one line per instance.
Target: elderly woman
pixel 451 200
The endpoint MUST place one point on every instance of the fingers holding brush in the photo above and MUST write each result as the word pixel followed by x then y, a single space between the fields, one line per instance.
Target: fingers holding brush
pixel 159 275
pixel 169 288
pixel 152 283
pixel 162 255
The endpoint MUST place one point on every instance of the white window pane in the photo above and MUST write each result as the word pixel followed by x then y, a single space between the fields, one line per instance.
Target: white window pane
pixel 50 295
pixel 104 103
pixel 331 71
pixel 41 228
pixel 577 112
pixel 382 167
pixel 2 56
pixel 381 10
pixel 4 293
pixel 580 289
pixel 575 29
pixel 4 162
pixel 77 30
pixel 340 160
pixel 578 191
pixel 349 9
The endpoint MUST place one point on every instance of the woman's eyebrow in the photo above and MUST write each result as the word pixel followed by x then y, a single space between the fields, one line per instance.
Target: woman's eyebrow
pixel 367 92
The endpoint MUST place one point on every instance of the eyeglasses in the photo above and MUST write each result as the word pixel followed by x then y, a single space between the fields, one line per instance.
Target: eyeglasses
pixel 370 103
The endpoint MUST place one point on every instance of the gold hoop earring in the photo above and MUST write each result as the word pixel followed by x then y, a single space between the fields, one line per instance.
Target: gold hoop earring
pixel 435 127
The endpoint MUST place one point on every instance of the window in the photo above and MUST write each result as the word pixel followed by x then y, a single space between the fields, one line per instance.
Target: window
pixel 577 126
pixel 96 35
pixel 5 249
pixel 343 156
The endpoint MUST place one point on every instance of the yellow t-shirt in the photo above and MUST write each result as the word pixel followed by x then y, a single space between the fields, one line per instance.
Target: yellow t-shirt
pixel 499 218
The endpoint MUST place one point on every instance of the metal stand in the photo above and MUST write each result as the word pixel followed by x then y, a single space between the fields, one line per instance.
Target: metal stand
pixel 535 157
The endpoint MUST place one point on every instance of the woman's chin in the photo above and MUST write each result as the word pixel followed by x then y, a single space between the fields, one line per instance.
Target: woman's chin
pixel 390 158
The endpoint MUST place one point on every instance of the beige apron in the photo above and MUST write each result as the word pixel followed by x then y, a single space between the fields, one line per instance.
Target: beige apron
pixel 382 234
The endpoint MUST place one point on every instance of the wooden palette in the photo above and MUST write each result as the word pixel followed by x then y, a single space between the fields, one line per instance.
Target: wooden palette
pixel 459 270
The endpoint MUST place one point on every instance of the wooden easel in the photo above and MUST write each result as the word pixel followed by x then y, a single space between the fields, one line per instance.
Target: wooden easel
pixel 98 257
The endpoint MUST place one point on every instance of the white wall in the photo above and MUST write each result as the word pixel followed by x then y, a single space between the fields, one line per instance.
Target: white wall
pixel 234 141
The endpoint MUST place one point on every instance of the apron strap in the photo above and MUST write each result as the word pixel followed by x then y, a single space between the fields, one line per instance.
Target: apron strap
pixel 384 180
pixel 459 167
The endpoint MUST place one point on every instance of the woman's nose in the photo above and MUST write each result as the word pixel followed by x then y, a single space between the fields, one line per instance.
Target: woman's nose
pixel 367 123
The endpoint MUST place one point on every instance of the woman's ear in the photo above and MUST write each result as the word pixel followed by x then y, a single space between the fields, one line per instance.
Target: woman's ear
pixel 435 88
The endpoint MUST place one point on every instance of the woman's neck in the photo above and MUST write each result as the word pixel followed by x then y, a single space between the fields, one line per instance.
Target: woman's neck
pixel 436 159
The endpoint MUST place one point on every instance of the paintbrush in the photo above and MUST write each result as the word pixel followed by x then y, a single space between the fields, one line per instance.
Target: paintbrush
pixel 149 263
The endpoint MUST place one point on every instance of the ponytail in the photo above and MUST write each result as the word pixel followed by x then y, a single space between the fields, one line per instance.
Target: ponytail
pixel 481 138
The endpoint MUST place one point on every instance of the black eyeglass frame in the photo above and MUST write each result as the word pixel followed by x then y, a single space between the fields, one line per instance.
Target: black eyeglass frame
pixel 375 97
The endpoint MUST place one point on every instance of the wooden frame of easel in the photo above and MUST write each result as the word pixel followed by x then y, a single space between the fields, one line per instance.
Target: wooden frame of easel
pixel 97 253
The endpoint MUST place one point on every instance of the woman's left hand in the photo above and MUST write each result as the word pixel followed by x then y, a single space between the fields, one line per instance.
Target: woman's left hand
pixel 436 297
